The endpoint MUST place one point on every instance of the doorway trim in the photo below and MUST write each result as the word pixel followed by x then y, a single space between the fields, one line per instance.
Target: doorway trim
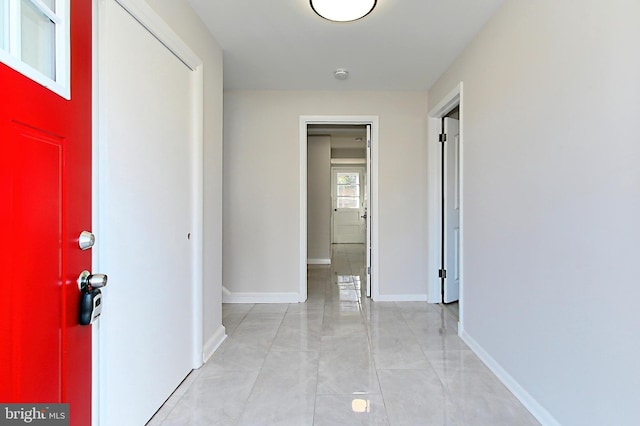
pixel 441 109
pixel 148 18
pixel 372 120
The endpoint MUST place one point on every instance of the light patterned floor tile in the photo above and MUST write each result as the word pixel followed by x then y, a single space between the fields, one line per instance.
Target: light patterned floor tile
pixel 341 359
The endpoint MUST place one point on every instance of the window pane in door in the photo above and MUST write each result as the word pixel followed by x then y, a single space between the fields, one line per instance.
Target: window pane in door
pixel 4 25
pixel 38 38
pixel 348 202
pixel 51 4
pixel 348 178
pixel 348 190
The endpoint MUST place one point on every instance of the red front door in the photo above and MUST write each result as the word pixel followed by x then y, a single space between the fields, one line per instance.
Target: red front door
pixel 45 203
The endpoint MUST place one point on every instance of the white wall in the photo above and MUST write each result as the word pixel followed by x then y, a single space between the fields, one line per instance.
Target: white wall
pixel 181 18
pixel 261 186
pixel 551 203
pixel 319 198
pixel 348 153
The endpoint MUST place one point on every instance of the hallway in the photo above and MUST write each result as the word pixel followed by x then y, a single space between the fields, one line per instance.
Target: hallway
pixel 340 359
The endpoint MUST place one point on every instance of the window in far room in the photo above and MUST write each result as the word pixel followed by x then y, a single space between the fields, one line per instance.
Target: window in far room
pixel 348 190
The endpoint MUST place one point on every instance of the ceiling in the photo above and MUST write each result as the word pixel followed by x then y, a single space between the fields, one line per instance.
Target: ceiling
pixel 284 45
pixel 342 136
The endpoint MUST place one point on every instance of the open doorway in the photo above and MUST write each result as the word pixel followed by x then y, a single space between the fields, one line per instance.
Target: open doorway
pixel 338 197
pixel 337 200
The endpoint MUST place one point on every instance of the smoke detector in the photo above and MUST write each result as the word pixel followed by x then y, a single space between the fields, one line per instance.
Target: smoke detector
pixel 341 74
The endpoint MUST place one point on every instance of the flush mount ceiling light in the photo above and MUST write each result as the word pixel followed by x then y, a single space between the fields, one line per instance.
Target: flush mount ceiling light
pixel 342 10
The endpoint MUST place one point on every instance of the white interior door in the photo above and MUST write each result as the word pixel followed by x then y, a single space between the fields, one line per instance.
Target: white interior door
pixel 146 219
pixel 367 204
pixel 348 219
pixel 452 210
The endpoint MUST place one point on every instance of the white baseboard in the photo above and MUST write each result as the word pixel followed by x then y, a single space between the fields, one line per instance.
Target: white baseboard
pixel 240 297
pixel 225 293
pixel 318 261
pixel 534 407
pixel 401 298
pixel 213 343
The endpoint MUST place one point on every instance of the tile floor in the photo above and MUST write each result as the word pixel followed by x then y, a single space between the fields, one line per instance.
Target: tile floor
pixel 340 359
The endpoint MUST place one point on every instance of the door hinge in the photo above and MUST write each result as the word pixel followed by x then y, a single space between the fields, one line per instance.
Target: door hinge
pixel 368 143
pixel 369 270
pixel 443 137
pixel 442 273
